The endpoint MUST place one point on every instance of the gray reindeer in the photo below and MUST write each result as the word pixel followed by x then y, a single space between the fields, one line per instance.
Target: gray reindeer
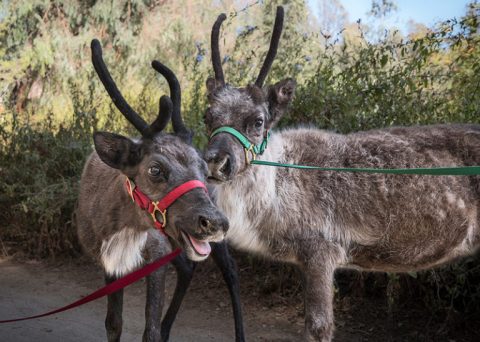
pixel 322 221
pixel 120 234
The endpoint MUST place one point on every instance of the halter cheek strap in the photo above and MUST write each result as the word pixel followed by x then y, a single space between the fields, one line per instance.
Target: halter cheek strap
pixel 251 150
pixel 152 207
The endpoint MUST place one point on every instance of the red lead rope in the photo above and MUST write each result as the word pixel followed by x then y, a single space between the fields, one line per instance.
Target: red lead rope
pixel 152 207
pixel 110 288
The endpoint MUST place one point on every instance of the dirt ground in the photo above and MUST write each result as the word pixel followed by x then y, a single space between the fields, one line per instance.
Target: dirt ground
pixel 32 287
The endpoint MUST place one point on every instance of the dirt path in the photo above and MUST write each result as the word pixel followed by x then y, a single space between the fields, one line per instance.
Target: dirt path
pixel 32 287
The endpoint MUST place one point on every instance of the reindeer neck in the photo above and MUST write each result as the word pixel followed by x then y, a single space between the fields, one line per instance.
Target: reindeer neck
pixel 249 199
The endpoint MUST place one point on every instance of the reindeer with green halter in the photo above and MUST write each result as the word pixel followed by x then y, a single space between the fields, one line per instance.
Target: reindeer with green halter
pixel 324 220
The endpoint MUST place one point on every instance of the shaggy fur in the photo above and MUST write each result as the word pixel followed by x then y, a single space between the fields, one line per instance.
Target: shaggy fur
pixel 116 232
pixel 325 220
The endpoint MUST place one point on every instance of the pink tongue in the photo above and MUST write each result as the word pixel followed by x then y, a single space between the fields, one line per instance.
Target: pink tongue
pixel 201 247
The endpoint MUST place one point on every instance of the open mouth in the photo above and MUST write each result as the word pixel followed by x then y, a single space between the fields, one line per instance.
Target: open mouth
pixel 217 178
pixel 201 248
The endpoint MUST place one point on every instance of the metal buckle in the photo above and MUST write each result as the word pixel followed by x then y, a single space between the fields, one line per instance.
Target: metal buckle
pixel 250 151
pixel 164 214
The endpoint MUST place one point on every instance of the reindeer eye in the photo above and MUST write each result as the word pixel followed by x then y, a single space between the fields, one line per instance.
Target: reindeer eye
pixel 258 123
pixel 154 171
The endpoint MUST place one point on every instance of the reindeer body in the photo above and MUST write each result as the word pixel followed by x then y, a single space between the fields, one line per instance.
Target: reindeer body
pixel 117 234
pixel 125 226
pixel 323 220
pixel 372 221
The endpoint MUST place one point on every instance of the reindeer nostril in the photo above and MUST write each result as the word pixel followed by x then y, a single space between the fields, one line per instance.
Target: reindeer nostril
pixel 226 166
pixel 204 223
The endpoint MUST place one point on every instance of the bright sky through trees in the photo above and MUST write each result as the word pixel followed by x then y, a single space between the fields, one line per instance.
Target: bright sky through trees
pixel 425 12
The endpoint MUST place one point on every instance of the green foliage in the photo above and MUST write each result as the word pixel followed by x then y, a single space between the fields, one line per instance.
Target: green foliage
pixel 39 172
pixel 360 85
pixel 51 100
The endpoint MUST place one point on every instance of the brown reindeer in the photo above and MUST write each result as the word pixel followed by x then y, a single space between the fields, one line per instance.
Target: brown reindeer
pixel 321 221
pixel 120 234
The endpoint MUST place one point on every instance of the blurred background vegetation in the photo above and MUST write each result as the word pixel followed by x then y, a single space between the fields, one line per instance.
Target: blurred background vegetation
pixel 350 77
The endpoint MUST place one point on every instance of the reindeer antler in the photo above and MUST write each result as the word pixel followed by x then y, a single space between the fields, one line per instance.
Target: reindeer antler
pixel 216 60
pixel 176 96
pixel 166 107
pixel 113 91
pixel 267 64
pixel 164 115
pixel 272 51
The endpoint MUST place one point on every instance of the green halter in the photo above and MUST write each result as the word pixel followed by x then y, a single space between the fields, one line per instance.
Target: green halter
pixel 250 149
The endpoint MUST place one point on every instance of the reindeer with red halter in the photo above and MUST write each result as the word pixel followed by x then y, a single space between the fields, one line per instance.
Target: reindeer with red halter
pixel 138 197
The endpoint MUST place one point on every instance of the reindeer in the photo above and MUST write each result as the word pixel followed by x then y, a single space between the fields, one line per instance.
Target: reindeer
pixel 322 221
pixel 120 234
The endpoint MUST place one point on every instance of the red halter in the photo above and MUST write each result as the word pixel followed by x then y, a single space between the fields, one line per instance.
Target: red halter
pixel 152 207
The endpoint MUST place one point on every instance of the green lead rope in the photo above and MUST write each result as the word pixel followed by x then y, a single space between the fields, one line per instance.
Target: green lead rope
pixel 260 148
pixel 435 171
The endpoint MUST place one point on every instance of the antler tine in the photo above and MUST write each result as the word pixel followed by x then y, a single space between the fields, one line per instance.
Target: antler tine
pixel 113 91
pixel 272 51
pixel 175 95
pixel 216 61
pixel 164 115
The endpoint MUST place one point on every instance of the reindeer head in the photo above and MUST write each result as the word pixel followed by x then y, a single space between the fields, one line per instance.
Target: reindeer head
pixel 159 162
pixel 251 111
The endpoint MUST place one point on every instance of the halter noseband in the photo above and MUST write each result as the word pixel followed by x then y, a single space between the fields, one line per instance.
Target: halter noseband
pixel 152 207
pixel 249 148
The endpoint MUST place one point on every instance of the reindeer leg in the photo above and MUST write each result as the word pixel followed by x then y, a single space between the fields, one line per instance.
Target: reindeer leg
pixel 113 321
pixel 157 246
pixel 318 295
pixel 185 269
pixel 228 267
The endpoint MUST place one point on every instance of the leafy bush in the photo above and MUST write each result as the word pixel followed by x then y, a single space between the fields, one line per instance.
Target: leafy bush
pixel 39 184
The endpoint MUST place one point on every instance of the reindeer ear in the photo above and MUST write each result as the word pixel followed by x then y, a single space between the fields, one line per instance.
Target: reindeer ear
pixel 116 150
pixel 279 96
pixel 211 85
